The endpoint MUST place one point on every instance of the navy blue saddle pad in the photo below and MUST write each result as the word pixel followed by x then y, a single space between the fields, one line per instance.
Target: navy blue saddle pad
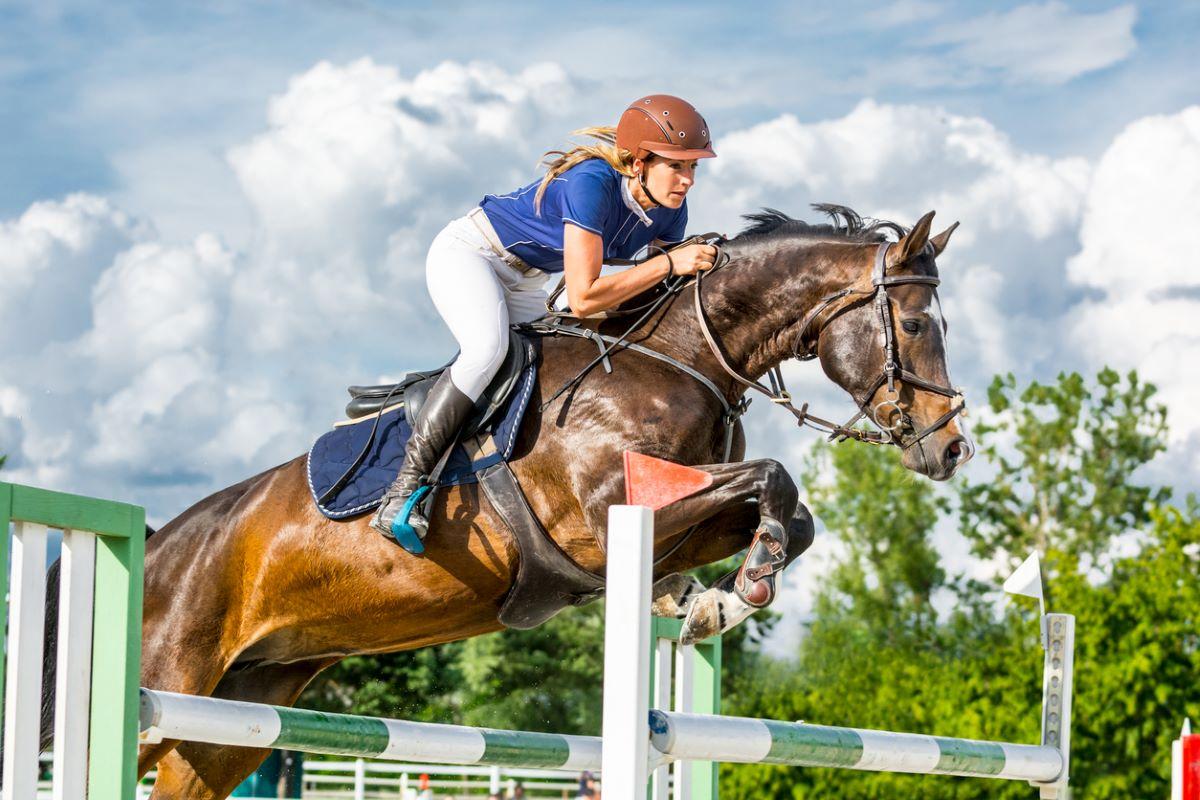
pixel 334 452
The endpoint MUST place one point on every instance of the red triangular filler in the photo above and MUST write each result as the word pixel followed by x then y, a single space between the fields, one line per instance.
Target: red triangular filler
pixel 655 483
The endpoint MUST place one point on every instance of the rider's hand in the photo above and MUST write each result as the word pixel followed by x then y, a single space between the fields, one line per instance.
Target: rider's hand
pixel 692 258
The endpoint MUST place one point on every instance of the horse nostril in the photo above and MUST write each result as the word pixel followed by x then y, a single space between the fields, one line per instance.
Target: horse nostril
pixel 956 450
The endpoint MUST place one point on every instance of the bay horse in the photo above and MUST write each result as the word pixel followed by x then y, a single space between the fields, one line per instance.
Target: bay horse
pixel 251 592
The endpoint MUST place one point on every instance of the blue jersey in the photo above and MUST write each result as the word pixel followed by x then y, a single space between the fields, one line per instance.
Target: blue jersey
pixel 591 195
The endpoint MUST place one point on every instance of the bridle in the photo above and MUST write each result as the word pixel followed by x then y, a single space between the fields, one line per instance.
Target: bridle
pixel 900 431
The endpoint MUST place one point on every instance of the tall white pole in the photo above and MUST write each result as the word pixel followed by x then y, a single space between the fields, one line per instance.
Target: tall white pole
pixel 72 697
pixel 23 689
pixel 626 731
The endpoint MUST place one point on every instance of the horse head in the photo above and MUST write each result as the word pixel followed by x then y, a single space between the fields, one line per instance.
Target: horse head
pixel 885 344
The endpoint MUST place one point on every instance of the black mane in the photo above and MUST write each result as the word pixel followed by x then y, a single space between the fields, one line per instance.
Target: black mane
pixel 845 225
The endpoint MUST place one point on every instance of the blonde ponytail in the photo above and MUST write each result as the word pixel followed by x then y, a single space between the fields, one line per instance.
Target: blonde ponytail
pixel 557 162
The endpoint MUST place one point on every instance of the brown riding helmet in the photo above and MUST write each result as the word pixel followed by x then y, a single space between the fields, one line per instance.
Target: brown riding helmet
pixel 666 126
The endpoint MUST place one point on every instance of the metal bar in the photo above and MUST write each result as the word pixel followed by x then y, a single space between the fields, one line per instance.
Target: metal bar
pixel 1058 631
pixel 754 741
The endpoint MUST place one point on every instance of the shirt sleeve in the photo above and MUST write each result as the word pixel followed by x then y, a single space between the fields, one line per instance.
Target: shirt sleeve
pixel 586 203
pixel 674 231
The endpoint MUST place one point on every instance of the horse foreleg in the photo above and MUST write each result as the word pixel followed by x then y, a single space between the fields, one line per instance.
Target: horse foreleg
pixel 194 771
pixel 783 529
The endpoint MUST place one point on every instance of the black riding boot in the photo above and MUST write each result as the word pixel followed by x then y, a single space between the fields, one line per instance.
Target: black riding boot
pixel 442 415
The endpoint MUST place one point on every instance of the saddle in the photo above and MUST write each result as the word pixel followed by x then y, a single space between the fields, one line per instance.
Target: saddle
pixel 410 393
pixel 547 580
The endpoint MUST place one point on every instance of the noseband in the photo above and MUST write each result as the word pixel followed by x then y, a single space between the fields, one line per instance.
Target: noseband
pixel 901 430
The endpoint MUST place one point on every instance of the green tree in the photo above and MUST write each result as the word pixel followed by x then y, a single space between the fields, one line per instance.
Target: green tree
pixel 883 516
pixel 1137 657
pixel 1064 457
pixel 876 654
pixel 1059 472
pixel 420 685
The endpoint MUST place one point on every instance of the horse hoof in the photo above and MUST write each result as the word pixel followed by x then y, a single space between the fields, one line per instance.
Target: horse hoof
pixel 705 618
pixel 674 595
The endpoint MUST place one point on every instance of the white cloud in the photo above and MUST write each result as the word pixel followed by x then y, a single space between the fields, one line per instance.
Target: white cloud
pixel 138 366
pixel 1003 288
pixel 346 144
pixel 358 169
pixel 899 157
pixel 49 258
pixel 905 12
pixel 1136 244
pixel 1042 43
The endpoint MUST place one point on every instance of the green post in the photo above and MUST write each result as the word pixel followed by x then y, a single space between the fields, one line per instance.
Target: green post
pixel 117 621
pixel 706 693
pixel 706 699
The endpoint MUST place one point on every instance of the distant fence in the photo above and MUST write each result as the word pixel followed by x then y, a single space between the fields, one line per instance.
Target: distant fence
pixel 364 779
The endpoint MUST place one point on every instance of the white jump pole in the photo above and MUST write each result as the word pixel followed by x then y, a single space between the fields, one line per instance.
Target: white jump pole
pixel 627 651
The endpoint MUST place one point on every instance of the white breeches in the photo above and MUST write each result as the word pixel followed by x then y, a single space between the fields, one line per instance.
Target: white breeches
pixel 478 294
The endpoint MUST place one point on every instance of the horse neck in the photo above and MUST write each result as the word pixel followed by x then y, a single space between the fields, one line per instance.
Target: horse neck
pixel 756 304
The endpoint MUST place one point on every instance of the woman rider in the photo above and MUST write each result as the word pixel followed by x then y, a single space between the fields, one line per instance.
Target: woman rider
pixel 487 269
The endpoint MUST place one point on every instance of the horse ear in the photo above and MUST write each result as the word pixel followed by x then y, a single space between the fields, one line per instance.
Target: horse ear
pixel 940 241
pixel 912 244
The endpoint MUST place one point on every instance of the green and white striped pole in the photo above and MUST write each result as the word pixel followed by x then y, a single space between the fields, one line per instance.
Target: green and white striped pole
pixel 762 741
pixel 167 715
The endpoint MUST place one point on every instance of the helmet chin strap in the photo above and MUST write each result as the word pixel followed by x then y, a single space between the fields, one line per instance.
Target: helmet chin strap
pixel 642 180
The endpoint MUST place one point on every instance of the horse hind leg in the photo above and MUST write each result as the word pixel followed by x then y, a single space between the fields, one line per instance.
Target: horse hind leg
pixel 755 500
pixel 195 771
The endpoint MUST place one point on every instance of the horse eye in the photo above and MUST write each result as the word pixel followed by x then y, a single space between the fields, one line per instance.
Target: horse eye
pixel 910 326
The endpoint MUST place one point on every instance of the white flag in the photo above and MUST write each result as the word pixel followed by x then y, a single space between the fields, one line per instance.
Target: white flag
pixel 1027 580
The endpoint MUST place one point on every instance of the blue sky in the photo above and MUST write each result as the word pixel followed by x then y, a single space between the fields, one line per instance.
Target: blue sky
pixel 80 80
pixel 213 217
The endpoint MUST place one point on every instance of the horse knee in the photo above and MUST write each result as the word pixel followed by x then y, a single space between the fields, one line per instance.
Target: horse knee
pixel 777 483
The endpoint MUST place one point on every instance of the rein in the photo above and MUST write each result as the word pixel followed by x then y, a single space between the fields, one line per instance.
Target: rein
pixel 900 432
